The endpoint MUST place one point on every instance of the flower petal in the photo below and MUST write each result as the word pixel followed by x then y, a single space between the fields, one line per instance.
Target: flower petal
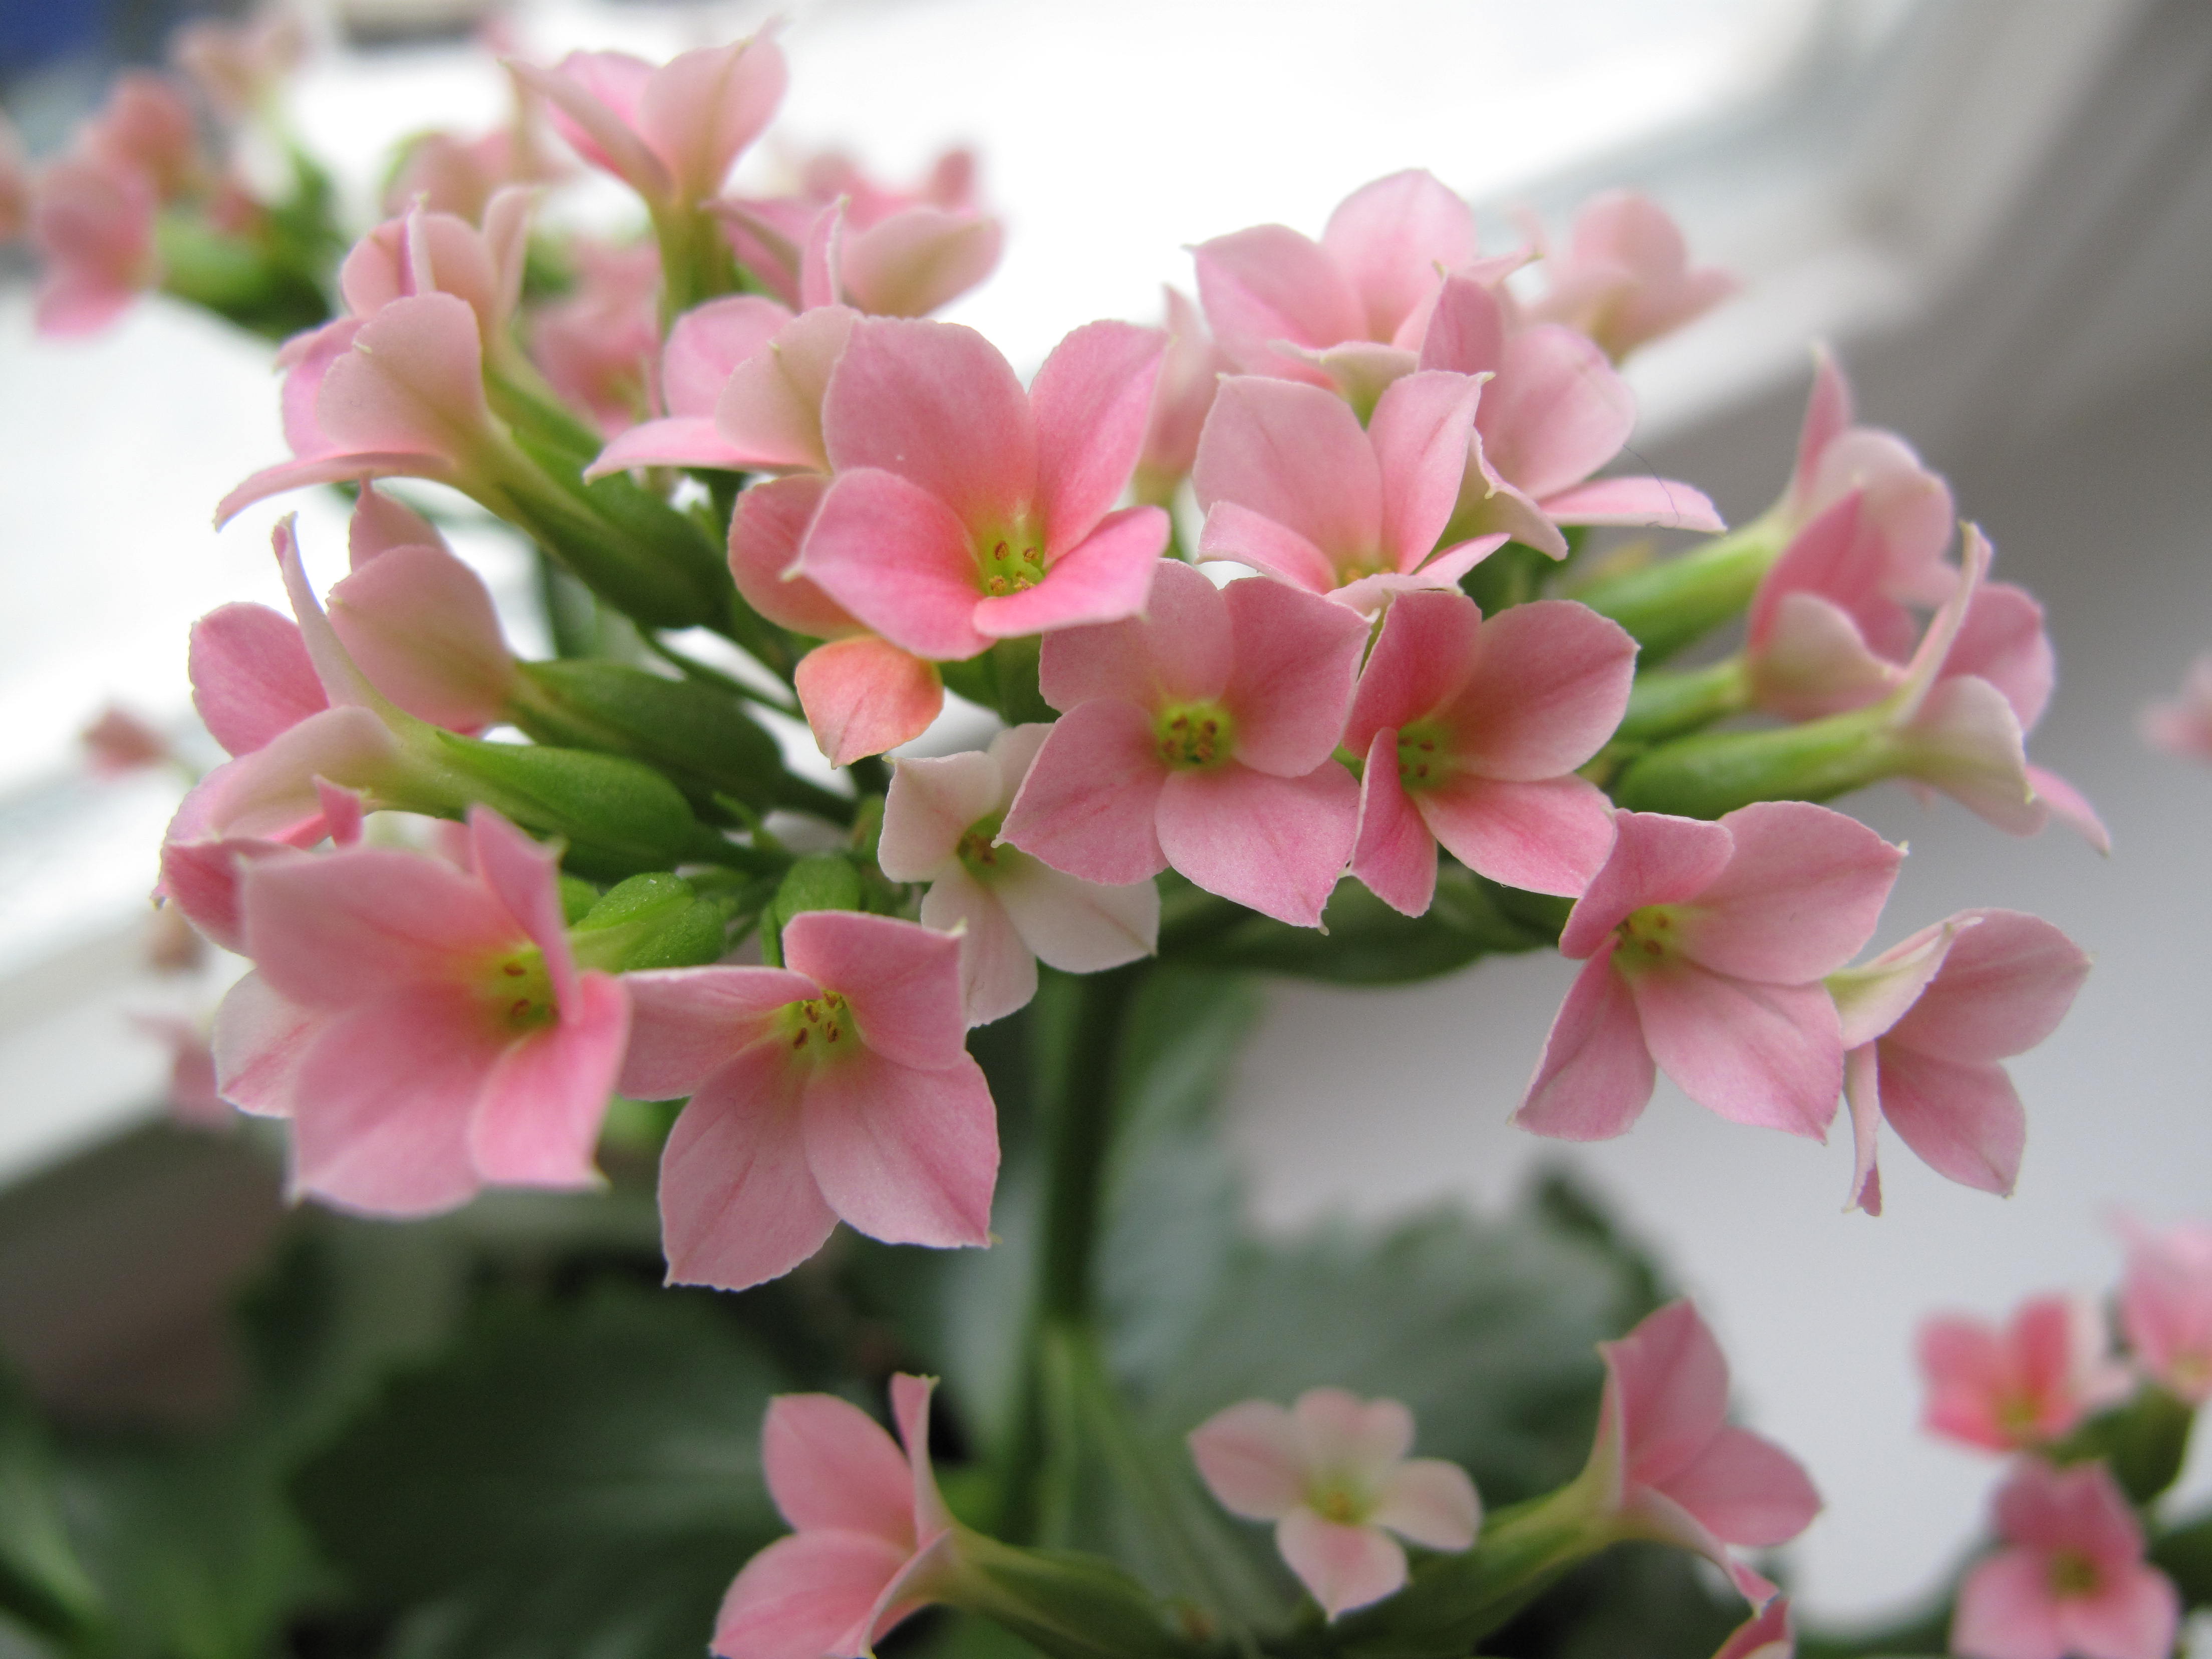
pixel 894 556
pixel 907 1156
pixel 1296 454
pixel 998 970
pixel 1102 578
pixel 903 980
pixel 1077 926
pixel 2005 984
pixel 1251 1458
pixel 1236 532
pixel 1394 852
pixel 1090 399
pixel 251 676
pixel 1556 413
pixel 1297 657
pixel 1420 431
pixel 766 532
pixel 1391 238
pixel 1551 837
pixel 929 807
pixel 737 1204
pixel 830 1465
pixel 1270 284
pixel 537 1121
pixel 1342 1567
pixel 1547 686
pixel 1666 502
pixel 917 260
pixel 798 1597
pixel 1089 804
pixel 1746 1491
pixel 1595 1075
pixel 258 1041
pixel 1274 844
pixel 770 408
pixel 864 695
pixel 1964 1119
pixel 687 1023
pixel 1800 893
pixel 1656 859
pixel 1431 1502
pixel 1769 1055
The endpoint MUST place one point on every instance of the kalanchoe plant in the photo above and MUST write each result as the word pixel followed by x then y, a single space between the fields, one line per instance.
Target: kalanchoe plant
pixel 579 925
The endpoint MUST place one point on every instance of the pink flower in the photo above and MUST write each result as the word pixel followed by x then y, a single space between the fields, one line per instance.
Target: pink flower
pixel 1350 306
pixel 1766 1635
pixel 941 823
pixel 426 1030
pixel 1555 412
pixel 964 511
pixel 1666 1465
pixel 1200 736
pixel 2024 1385
pixel 2072 1582
pixel 597 343
pixel 146 127
pixel 1332 1474
pixel 835 1087
pixel 871 1536
pixel 1188 375
pixel 191 1096
pixel 92 225
pixel 1925 1023
pixel 120 741
pixel 671 133
pixel 2182 726
pixel 1472 731
pixel 2165 1307
pixel 1293 487
pixel 1625 278
pixel 1706 944
pixel 240 65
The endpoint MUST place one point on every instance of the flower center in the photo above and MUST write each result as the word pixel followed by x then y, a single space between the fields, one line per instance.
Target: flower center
pixel 1649 936
pixel 818 1025
pixel 1422 760
pixel 2073 1573
pixel 1194 736
pixel 1008 563
pixel 2017 1416
pixel 521 991
pixel 977 855
pixel 1337 1502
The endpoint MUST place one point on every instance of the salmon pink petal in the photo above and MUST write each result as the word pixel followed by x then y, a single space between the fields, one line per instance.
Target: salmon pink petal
pixel 420 625
pixel 1296 659
pixel 258 1041
pixel 830 1465
pixel 1089 804
pixel 1341 1567
pixel 1420 660
pixel 371 921
pixel 1431 1502
pixel 1746 1491
pixel 998 970
pixel 700 109
pixel 928 809
pixel 380 523
pixel 799 1597
pixel 1656 859
pixel 1548 836
pixel 1391 239
pixel 917 260
pixel 1180 651
pixel 1420 431
pixel 685 1023
pixel 903 981
pixel 1666 502
pixel 1556 413
pixel 1252 1458
pixel 1296 454
pixel 1764 1054
pixel 2007 981
pixel 707 343
pixel 251 676
pixel 935 403
pixel 1235 531
pixel 413 380
pixel 1547 686
pixel 1595 1075
pixel 766 534
pixel 771 407
pixel 1801 895
pixel 537 1121
pixel 896 558
pixel 1270 284
pixel 2007 1610
pixel 864 695
pixel 1102 578
pixel 904 1155
pixel 1079 927
pixel 1273 844
pixel 1963 1120
pixel 1394 852
pixel 1090 399
pixel 737 1204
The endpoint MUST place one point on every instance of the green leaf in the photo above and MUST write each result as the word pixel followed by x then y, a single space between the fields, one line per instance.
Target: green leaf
pixel 2144 1442
pixel 2185 1555
pixel 576 1480
pixel 42 1582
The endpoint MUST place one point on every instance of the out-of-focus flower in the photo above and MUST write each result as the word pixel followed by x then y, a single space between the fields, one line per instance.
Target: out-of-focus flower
pixel 2165 1307
pixel 120 741
pixel 238 66
pixel 2022 1385
pixel 597 344
pixel 1332 1473
pixel 1625 277
pixel 2071 1579
pixel 190 1094
pixel 2183 726
pixel 92 225
pixel 1189 375
pixel 146 127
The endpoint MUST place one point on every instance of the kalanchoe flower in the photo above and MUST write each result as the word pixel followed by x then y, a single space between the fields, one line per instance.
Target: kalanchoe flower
pixel 1189 374
pixel 190 1095
pixel 596 344
pixel 1200 736
pixel 2071 1579
pixel 964 510
pixel 1926 1023
pixel 941 823
pixel 1667 1464
pixel 1705 946
pixel 92 225
pixel 1293 487
pixel 836 1086
pixel 1625 277
pixel 2165 1307
pixel 146 127
pixel 1766 1635
pixel 871 1539
pixel 239 65
pixel 1332 1473
pixel 2020 1386
pixel 1472 731
pixel 119 740
pixel 2183 726
pixel 426 1030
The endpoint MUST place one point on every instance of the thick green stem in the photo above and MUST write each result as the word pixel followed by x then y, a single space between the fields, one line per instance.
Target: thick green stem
pixel 1668 605
pixel 1711 772
pixel 1666 703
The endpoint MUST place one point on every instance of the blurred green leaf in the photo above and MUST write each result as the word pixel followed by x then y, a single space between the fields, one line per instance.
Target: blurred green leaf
pixel 43 1584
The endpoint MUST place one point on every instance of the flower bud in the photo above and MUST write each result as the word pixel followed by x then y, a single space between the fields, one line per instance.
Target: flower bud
pixel 651 921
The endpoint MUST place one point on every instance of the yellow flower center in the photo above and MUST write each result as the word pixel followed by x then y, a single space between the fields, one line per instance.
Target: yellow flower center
pixel 1195 736
pixel 819 1026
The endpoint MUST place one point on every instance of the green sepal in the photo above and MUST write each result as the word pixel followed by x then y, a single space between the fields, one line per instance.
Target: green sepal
pixel 1065 1605
pixel 1004 679
pixel 577 898
pixel 2185 1555
pixel 2143 1442
pixel 1713 773
pixel 651 921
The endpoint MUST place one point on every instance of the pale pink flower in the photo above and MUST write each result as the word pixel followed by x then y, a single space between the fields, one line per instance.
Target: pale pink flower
pixel 2165 1307
pixel 870 1532
pixel 1472 731
pixel 1200 736
pixel 1925 1025
pixel 2072 1579
pixel 835 1087
pixel 964 510
pixel 1553 413
pixel 1667 1465
pixel 92 225
pixel 1292 486
pixel 597 344
pixel 119 740
pixel 1766 1635
pixel 190 1095
pixel 671 133
pixel 2022 1385
pixel 1625 278
pixel 446 173
pixel 425 1029
pixel 941 823
pixel 1705 946
pixel 2182 726
pixel 240 64
pixel 1189 374
pixel 1332 1473
pixel 146 127
pixel 422 252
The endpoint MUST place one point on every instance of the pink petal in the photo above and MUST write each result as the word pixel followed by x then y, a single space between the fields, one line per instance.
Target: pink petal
pixel 738 1205
pixel 798 1597
pixel 919 258
pixel 1595 1075
pixel 1394 852
pixel 2001 639
pixel 1296 454
pixel 342 467
pixel 1769 1055
pixel 679 440
pixel 1828 415
pixel 1666 502
pixel 380 523
pixel 594 95
pixel 1391 238
pixel 1359 370
pixel 1362 1439
pixel 1273 844
pixel 1668 1386
pixel 771 407
pixel 1077 926
pixel 1965 1121
pixel 251 676
pixel 1236 532
pixel 1814 661
pixel 687 1023
pixel 1801 895
pixel 271 793
pixel 936 404
pixel 1342 1567
pixel 830 1465
pixel 368 921
pixel 1746 1491
pixel 1556 413
pixel 896 558
pixel 413 380
pixel 1420 431
pixel 903 980
pixel 1547 685
pixel 1103 579
pixel 1420 658
pixel 864 695
pixel 2070 807
pixel 1656 859
pixel 1089 803
pixel 1550 836
pixel 700 109
pixel 537 1122
pixel 928 809
pixel 1966 741
pixel 1180 651
pixel 1466 329
pixel 907 1156
pixel 1251 1458
pixel 1863 1094
pixel 200 877
pixel 1764 1635
pixel 766 534
pixel 1874 996
pixel 2007 1610
pixel 707 343
pixel 2137 1615
pixel 1431 1502
pixel 524 875
pixel 1295 659
pixel 258 1041
pixel 1090 400
pixel 420 625
pixel 998 971
pixel 2007 981
pixel 1269 284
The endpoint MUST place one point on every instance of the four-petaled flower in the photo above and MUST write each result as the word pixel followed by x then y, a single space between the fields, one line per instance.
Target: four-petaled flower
pixel 2021 1385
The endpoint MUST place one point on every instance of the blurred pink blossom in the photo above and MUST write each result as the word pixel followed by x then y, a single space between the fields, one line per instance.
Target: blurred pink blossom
pixel 2021 1385
pixel 2071 1579
pixel 1625 277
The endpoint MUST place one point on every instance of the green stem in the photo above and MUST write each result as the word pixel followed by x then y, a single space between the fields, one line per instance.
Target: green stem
pixel 1666 606
pixel 706 673
pixel 1666 703
pixel 1712 772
